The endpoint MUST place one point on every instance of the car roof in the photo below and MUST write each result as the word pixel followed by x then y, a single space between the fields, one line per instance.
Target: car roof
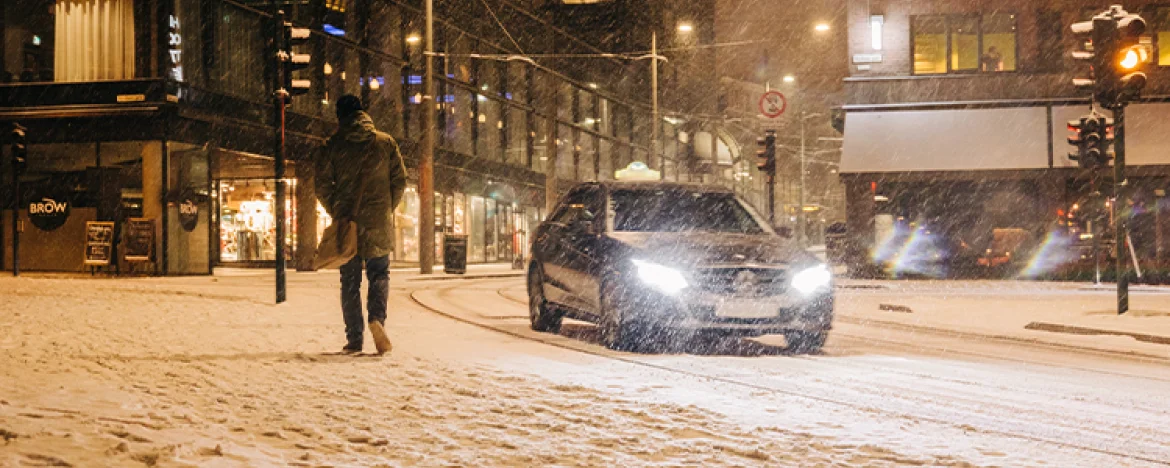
pixel 660 185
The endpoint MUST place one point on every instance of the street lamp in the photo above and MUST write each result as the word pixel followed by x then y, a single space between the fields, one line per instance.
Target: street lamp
pixel 789 78
pixel 413 39
pixel 685 27
pixel 822 27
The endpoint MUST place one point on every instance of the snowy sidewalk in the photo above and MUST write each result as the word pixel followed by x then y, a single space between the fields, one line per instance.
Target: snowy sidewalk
pixel 1072 314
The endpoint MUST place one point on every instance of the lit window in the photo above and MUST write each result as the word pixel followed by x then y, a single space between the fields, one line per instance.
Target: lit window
pixel 964 44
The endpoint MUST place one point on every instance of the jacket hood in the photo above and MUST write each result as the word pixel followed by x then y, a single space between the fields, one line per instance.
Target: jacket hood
pixel 697 249
pixel 357 129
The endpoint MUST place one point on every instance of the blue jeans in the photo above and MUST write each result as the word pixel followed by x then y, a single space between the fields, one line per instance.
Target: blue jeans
pixel 378 272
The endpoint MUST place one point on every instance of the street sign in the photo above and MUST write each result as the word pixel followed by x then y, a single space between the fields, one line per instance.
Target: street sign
pixel 772 104
pixel 99 242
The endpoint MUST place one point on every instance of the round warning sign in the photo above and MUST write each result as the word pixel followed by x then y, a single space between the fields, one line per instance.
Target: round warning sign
pixel 772 104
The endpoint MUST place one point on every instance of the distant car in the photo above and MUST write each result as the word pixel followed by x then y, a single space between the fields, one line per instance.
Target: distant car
pixel 647 260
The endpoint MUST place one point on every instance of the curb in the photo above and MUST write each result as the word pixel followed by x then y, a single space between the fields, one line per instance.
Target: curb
pixel 1074 330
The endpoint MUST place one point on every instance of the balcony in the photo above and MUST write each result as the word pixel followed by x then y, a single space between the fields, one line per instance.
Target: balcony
pixel 975 89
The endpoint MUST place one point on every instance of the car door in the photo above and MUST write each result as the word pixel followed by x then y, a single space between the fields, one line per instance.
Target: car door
pixel 548 248
pixel 581 243
pixel 568 243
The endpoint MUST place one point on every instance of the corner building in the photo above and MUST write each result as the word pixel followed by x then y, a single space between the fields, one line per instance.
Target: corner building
pixel 156 115
pixel 955 154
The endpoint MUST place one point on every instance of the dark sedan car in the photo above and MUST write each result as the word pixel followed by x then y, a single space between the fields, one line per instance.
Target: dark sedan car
pixel 645 260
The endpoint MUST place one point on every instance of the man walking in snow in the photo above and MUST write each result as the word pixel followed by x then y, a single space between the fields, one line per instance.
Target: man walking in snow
pixel 359 158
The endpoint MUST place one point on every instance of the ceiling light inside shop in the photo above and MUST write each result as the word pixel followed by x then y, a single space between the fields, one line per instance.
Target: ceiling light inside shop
pixel 413 39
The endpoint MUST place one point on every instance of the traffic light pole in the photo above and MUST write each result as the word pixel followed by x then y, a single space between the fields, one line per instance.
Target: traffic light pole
pixel 15 217
pixel 278 148
pixel 1121 218
pixel 771 178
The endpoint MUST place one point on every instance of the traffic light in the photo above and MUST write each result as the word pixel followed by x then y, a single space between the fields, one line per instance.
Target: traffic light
pixel 1116 52
pixel 19 142
pixel 1092 136
pixel 1133 54
pixel 766 155
pixel 291 61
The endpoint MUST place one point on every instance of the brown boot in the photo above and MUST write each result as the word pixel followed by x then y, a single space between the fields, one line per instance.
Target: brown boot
pixel 381 341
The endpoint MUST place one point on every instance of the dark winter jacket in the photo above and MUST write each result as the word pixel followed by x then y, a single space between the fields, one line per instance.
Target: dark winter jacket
pixel 355 153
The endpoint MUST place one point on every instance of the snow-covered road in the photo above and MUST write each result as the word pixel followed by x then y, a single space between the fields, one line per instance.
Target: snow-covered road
pixel 204 371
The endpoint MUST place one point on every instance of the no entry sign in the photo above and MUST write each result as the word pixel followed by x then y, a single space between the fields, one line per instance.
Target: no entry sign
pixel 772 104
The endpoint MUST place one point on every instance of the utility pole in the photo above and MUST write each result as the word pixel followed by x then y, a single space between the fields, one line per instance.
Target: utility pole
pixel 426 163
pixel 279 95
pixel 800 220
pixel 1121 232
pixel 654 150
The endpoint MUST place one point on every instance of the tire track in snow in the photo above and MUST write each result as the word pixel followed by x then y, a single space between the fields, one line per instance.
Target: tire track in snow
pixel 415 297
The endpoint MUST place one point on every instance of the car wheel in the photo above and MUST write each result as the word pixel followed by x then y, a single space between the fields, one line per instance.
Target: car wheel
pixel 618 331
pixel 805 342
pixel 541 315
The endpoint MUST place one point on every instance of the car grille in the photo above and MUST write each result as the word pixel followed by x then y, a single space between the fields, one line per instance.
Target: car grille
pixel 743 282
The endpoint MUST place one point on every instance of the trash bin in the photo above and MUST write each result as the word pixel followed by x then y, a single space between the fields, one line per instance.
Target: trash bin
pixel 455 254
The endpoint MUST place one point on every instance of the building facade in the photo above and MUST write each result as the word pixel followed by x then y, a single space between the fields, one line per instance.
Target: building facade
pixel 156 116
pixel 955 154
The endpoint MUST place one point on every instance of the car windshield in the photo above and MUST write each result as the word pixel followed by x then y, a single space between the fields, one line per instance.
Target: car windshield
pixel 662 210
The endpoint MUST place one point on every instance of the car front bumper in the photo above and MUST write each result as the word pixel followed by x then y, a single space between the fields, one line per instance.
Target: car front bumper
pixel 703 311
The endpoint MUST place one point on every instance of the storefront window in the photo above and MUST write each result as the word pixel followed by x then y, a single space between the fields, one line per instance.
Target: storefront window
pixel 491 231
pixel 96 181
pixel 460 214
pixel 406 226
pixel 247 220
pixel 475 242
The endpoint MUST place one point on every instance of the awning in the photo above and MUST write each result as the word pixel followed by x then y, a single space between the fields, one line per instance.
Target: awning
pixel 945 140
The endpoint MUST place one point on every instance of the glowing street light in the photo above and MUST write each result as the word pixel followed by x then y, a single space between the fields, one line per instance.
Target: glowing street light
pixel 789 78
pixel 821 27
pixel 413 39
pixel 685 27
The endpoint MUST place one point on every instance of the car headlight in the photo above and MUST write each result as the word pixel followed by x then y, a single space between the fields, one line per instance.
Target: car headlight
pixel 662 278
pixel 811 280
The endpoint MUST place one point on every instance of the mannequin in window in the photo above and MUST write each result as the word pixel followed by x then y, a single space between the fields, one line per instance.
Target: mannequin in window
pixel 992 60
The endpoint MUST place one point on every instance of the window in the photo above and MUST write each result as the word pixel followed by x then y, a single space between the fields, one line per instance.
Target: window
pixel 70 40
pixel 566 142
pixel 964 43
pixel 1160 27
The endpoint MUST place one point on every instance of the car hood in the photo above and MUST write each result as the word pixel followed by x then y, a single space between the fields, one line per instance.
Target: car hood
pixel 703 249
